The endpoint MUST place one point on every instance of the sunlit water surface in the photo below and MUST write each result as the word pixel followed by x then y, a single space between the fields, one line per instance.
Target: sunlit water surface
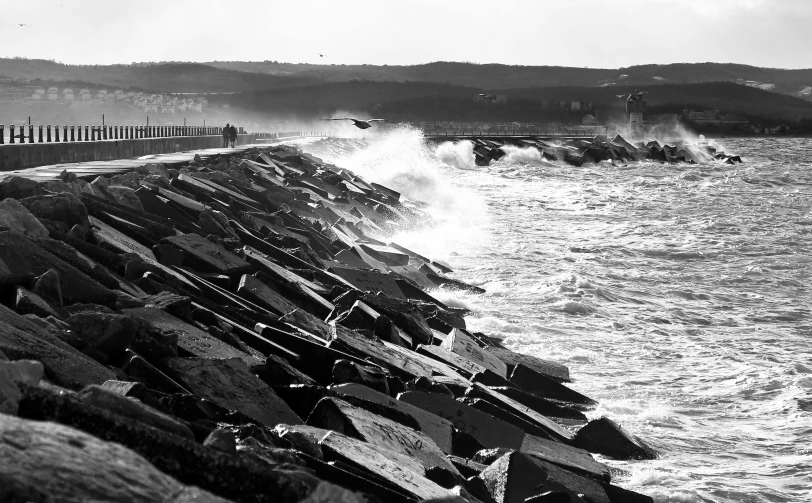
pixel 678 295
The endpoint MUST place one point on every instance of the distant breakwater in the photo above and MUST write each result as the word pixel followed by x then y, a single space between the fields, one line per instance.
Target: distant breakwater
pixel 238 326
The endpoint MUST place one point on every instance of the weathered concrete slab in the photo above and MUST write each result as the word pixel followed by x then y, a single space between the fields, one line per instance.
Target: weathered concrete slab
pixel 258 292
pixel 401 471
pixel 191 338
pixel 209 255
pixel 338 415
pixel 551 427
pixel 571 458
pixel 545 407
pixel 461 343
pixel 230 384
pixel 544 386
pixel 549 368
pixel 386 254
pixel 368 281
pixel 489 431
pixel 433 426
pixel 278 272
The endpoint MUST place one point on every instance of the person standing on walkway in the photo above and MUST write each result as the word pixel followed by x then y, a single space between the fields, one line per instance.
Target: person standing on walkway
pixel 226 135
pixel 233 135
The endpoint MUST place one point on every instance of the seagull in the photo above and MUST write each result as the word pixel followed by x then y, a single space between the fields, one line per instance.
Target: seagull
pixel 321 55
pixel 22 24
pixel 359 123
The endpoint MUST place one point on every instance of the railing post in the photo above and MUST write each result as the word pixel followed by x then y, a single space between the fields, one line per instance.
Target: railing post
pixel 48 136
pixel 40 134
pixel 104 132
pixel 93 133
pixel 11 134
pixel 2 134
pixel 30 133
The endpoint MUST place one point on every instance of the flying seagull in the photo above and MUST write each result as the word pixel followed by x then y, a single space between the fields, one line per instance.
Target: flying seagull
pixel 321 55
pixel 359 123
pixel 22 24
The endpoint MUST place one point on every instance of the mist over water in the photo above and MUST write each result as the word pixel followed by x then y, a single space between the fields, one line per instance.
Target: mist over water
pixel 678 295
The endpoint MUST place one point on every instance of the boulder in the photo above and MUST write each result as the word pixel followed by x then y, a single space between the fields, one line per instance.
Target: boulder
pixel 17 187
pixel 346 371
pixel 125 196
pixel 513 478
pixel 606 437
pixel 338 415
pixel 462 343
pixel 42 461
pixel 222 439
pixel 435 427
pixel 108 333
pixel 64 366
pixel 30 303
pixel 48 286
pixel 230 384
pixel 16 217
pixel 99 396
pixel 12 374
pixel 64 207
pixel 488 431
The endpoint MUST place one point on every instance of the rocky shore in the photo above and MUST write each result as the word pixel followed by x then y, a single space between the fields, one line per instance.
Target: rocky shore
pixel 240 328
pixel 600 148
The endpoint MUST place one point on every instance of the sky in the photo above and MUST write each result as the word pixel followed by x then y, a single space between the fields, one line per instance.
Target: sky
pixel 580 33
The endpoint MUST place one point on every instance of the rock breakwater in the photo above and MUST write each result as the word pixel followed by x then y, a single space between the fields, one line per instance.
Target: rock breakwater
pixel 239 328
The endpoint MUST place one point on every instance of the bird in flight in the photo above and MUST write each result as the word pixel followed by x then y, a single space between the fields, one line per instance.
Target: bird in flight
pixel 22 24
pixel 365 124
pixel 321 55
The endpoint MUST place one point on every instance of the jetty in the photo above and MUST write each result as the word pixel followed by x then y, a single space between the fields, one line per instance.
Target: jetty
pixel 238 325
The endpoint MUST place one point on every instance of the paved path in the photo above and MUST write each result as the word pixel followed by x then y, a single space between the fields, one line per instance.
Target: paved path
pixel 117 166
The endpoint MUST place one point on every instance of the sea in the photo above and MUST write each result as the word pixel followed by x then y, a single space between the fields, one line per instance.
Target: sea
pixel 678 295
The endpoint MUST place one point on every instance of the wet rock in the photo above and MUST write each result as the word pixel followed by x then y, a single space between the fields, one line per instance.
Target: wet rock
pixel 108 333
pixel 69 465
pixel 620 495
pixel 404 315
pixel 548 368
pixel 16 217
pixel 513 478
pixel 215 222
pixel 230 384
pixel 222 439
pixel 168 255
pixel 176 305
pixel 462 343
pixel 64 207
pixel 423 383
pixel 99 396
pixel 488 431
pixel 346 371
pixel 606 437
pixel 560 479
pixel 338 415
pixel 438 429
pixel 572 458
pixel 369 281
pixel 543 386
pixel 47 285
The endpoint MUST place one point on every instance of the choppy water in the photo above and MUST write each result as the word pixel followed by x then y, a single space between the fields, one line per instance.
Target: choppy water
pixel 678 295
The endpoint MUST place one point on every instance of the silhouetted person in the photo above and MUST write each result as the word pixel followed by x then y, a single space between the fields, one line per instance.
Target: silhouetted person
pixel 226 135
pixel 233 135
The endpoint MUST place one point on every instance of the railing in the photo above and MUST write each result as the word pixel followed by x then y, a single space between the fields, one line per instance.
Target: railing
pixel 45 134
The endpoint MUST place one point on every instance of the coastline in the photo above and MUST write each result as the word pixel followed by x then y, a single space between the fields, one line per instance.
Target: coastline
pixel 244 302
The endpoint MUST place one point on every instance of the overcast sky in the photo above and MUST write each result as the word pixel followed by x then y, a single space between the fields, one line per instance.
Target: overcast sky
pixel 583 33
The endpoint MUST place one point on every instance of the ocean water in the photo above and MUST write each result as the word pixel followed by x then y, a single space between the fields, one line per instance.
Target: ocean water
pixel 678 295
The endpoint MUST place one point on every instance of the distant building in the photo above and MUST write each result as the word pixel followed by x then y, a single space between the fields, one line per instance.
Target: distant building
pixel 706 117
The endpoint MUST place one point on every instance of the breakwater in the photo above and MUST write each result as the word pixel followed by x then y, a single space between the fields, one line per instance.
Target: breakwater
pixel 243 327
pixel 29 147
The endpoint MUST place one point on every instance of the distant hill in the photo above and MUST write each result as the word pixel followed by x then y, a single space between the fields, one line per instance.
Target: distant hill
pixel 160 77
pixel 427 101
pixel 495 76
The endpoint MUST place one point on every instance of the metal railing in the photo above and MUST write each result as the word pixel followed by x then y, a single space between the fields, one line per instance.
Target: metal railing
pixel 49 134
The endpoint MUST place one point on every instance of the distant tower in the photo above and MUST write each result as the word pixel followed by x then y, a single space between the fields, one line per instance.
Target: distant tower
pixel 636 107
